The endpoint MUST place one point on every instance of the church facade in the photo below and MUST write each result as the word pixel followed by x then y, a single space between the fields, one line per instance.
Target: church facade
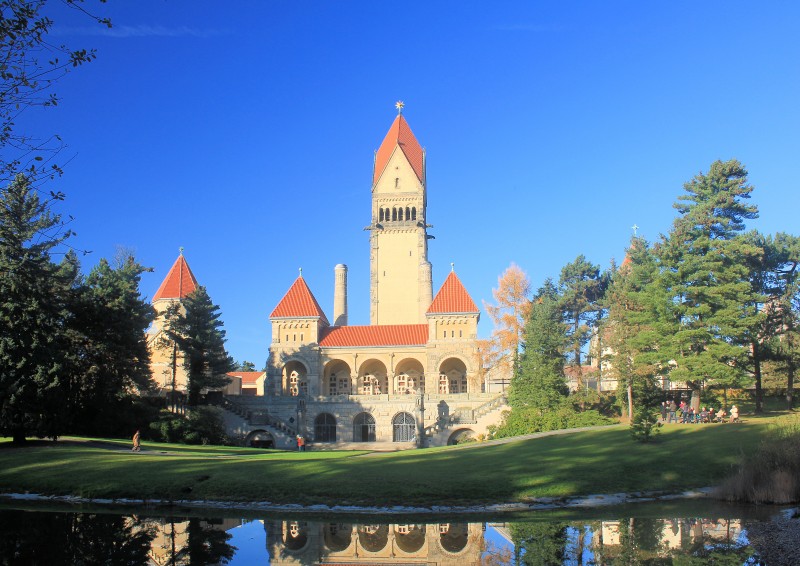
pixel 414 370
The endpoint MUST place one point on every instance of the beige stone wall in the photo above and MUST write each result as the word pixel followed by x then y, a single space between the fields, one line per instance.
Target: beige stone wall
pixel 162 353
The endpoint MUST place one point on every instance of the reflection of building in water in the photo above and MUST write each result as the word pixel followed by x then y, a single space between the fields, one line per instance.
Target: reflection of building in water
pixel 171 537
pixel 300 542
pixel 673 533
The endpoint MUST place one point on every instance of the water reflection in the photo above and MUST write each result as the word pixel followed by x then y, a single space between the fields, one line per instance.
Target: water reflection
pixel 31 538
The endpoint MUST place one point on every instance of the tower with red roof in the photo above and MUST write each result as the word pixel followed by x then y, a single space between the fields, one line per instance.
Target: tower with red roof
pixel 166 362
pixel 337 382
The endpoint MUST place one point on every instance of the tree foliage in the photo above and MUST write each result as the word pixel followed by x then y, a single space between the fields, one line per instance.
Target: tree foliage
pixel 34 293
pixel 704 271
pixel 194 326
pixel 509 313
pixel 581 286
pixel 30 65
pixel 539 382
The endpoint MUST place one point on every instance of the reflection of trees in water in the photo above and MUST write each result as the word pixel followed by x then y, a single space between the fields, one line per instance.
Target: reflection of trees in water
pixel 539 544
pixel 630 541
pixel 206 545
pixel 72 538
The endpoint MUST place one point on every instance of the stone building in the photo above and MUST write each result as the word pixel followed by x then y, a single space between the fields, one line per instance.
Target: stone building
pixel 412 375
pixel 166 361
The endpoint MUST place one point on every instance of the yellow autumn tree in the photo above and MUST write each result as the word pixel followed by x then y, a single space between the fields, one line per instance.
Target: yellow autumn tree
pixel 509 313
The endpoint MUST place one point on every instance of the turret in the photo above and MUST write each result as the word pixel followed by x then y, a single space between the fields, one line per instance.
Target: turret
pixel 340 295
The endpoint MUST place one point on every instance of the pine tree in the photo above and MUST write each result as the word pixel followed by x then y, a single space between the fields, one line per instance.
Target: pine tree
pixel 109 359
pixel 539 381
pixel 705 273
pixel 194 326
pixel 581 286
pixel 635 308
pixel 33 298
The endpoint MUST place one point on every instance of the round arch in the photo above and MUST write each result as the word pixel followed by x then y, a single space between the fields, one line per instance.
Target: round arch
pixel 461 436
pixel 295 535
pixel 336 378
pixel 325 428
pixel 372 378
pixel 373 538
pixel 337 536
pixel 295 378
pixel 364 428
pixel 409 538
pixel 453 376
pixel 404 427
pixel 259 439
pixel 409 376
pixel 453 537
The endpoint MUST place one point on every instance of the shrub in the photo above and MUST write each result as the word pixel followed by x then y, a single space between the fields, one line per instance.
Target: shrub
pixel 528 421
pixel 772 474
pixel 203 425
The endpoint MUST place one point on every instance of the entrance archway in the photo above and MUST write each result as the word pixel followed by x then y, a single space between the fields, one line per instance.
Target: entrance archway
pixel 325 428
pixel 403 428
pixel 259 439
pixel 364 428
pixel 295 380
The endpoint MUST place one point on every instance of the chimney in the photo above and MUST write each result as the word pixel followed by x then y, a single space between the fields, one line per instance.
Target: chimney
pixel 340 295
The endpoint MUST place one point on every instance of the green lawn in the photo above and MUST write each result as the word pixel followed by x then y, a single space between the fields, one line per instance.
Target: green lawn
pixel 600 461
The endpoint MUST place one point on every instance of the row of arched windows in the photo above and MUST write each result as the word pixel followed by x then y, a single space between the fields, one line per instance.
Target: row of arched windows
pixel 397 214
pixel 403 428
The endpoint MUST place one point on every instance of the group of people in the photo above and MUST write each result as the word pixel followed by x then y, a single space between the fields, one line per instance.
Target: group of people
pixel 685 413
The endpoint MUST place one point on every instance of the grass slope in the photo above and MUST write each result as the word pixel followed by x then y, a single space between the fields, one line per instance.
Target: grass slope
pixel 599 461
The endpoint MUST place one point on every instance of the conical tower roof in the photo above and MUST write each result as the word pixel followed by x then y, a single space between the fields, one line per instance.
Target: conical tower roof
pixel 179 282
pixel 400 136
pixel 299 302
pixel 452 298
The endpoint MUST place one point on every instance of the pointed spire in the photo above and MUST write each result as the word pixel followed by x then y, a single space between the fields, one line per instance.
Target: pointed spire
pixel 179 282
pixel 452 298
pixel 399 136
pixel 299 302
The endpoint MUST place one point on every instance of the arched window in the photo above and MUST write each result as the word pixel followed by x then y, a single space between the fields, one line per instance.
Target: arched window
pixel 387 215
pixel 394 214
pixel 400 215
pixel 408 213
pixel 381 216
pixel 325 428
pixel 364 428
pixel 403 428
pixel 414 213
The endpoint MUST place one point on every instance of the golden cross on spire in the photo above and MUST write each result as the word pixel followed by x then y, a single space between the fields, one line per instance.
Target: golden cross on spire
pixel 399 105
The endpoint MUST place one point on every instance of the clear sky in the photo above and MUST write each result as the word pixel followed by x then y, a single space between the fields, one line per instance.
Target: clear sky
pixel 244 131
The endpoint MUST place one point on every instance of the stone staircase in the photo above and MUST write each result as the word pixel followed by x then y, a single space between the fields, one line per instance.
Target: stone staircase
pixel 240 420
pixel 477 419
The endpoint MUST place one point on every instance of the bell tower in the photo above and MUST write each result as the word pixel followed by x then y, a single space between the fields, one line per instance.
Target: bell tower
pixel 400 274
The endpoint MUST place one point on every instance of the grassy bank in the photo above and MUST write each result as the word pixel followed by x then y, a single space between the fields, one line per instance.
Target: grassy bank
pixel 599 461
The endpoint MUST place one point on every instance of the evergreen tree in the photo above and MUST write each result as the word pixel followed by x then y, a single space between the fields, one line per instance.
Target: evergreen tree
pixel 784 311
pixel 635 308
pixel 33 296
pixel 109 359
pixel 539 381
pixel 194 326
pixel 581 287
pixel 705 274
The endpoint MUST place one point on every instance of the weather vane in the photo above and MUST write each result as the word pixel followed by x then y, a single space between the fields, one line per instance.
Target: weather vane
pixel 452 266
pixel 399 105
pixel 635 229
pixel 180 250
pixel 301 272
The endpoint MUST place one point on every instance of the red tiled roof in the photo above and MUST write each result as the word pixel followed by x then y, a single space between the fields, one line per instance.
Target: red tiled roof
pixel 378 335
pixel 452 297
pixel 399 135
pixel 178 283
pixel 247 376
pixel 298 301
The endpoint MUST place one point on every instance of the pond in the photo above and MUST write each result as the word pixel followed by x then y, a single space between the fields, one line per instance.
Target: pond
pixel 624 535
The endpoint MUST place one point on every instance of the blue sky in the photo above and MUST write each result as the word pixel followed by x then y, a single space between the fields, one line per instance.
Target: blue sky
pixel 245 133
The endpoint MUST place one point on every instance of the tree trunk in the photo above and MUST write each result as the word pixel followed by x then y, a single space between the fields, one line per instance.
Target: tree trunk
pixel 630 402
pixel 757 376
